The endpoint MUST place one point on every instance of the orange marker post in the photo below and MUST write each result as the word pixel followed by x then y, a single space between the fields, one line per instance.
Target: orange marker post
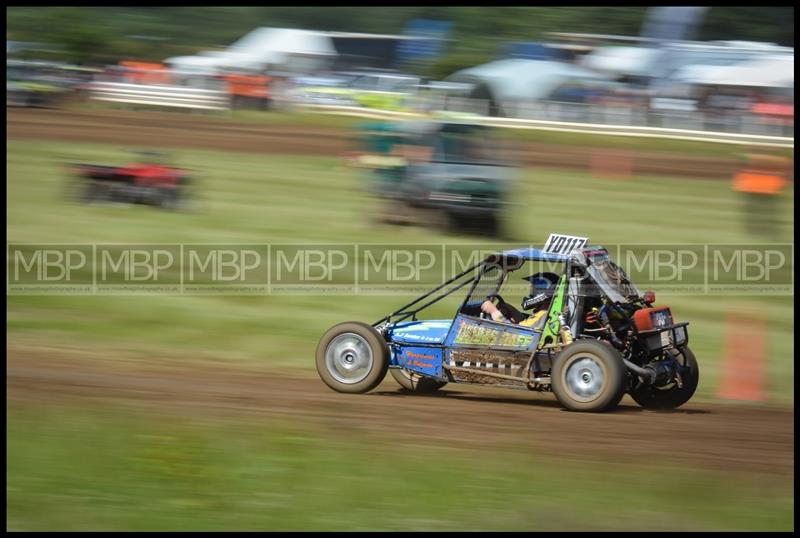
pixel 743 360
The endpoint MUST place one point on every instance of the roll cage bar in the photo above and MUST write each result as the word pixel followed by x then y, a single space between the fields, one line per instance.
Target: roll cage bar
pixel 406 311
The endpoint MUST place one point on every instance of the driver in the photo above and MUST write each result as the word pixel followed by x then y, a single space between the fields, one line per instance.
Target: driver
pixel 541 292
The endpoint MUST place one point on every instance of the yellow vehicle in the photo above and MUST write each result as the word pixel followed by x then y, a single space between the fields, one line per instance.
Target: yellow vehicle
pixel 385 90
pixel 41 84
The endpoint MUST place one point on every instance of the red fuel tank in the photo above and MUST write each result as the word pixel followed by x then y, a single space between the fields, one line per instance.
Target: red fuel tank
pixel 648 319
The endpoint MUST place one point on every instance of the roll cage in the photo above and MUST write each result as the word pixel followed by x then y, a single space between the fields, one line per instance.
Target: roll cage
pixel 506 262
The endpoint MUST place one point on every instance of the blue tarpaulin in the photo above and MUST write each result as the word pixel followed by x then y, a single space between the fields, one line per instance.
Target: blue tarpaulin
pixel 429 45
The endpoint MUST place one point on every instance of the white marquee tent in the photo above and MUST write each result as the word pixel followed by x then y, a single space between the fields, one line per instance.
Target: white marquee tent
pixel 518 80
pixel 774 71
pixel 263 47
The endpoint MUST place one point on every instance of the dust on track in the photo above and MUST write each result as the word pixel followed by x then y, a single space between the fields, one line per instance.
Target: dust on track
pixel 715 436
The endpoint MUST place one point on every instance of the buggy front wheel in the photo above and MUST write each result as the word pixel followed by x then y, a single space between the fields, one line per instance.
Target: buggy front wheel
pixel 352 357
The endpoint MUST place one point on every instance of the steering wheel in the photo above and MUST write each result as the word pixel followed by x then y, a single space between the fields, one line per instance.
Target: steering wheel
pixel 490 297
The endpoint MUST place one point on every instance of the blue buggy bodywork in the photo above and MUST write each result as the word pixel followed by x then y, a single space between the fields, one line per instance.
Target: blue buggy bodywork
pixel 424 346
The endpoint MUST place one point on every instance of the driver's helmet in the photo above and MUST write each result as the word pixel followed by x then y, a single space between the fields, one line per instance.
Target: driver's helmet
pixel 543 286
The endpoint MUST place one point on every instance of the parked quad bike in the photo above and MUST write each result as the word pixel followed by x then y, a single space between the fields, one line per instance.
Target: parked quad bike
pixel 149 181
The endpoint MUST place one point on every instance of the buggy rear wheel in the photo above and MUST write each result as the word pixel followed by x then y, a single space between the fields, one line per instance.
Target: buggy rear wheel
pixel 352 357
pixel 671 396
pixel 415 382
pixel 588 376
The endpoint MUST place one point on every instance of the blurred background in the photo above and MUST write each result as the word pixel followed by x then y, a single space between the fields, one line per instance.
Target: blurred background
pixel 483 127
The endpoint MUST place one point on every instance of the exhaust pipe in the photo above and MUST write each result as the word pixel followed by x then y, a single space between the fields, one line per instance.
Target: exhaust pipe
pixel 648 375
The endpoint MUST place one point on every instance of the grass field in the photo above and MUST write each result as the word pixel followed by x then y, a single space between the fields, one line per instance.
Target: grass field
pixel 114 467
pixel 203 474
pixel 248 198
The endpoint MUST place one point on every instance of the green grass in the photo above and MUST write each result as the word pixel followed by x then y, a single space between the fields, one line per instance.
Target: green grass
pixel 251 198
pixel 649 145
pixel 113 469
pixel 120 468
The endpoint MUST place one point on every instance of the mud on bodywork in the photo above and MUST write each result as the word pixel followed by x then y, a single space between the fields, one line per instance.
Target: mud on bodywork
pixel 487 360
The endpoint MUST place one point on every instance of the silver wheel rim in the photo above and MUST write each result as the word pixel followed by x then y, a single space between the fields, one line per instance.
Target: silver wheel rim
pixel 348 358
pixel 585 378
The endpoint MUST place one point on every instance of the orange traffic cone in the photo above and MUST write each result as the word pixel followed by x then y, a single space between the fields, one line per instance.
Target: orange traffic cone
pixel 742 376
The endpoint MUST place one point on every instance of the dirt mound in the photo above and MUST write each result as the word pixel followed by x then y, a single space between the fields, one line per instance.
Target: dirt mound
pixel 712 435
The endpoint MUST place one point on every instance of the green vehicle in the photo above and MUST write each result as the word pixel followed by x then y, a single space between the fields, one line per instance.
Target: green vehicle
pixel 41 84
pixel 441 172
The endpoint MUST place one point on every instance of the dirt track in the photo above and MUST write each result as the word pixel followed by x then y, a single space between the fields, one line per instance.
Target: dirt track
pixel 163 129
pixel 175 130
pixel 721 437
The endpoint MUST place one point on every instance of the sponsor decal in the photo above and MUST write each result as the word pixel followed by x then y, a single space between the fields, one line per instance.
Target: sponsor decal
pixel 488 335
pixel 412 355
pixel 417 337
pixel 418 359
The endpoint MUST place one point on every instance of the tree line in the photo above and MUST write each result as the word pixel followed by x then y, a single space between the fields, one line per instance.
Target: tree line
pixel 102 35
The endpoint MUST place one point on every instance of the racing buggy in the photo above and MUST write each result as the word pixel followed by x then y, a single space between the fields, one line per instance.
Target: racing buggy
pixel 586 334
pixel 446 173
pixel 151 180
